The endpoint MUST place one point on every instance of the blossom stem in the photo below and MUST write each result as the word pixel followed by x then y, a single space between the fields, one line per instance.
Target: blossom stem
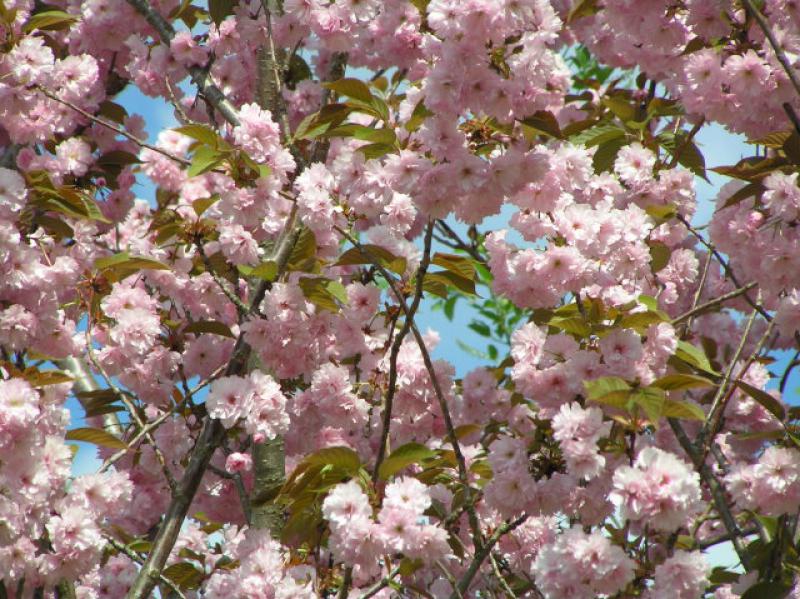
pixel 395 351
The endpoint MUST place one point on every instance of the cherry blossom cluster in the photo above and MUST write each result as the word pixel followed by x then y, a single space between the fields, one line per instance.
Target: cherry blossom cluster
pixel 244 342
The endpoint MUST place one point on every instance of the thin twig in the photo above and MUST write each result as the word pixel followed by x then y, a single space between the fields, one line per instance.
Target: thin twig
pixel 688 140
pixel 725 266
pixel 241 307
pixel 148 428
pixel 728 386
pixel 115 128
pixel 700 286
pixel 460 243
pixel 131 408
pixel 712 303
pixel 381 584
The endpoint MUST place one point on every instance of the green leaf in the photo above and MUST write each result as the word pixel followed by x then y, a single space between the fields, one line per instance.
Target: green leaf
pixel 659 255
pixel 641 321
pixel 574 325
pixel 402 457
pixel 481 328
pixel 753 168
pixel 689 155
pixel 69 201
pixel 377 150
pixel 266 271
pixel 460 265
pixel 418 117
pixel 184 574
pixel 120 266
pixel 683 409
pixel 582 8
pixel 694 356
pixel 322 292
pixel 621 107
pixel 606 154
pixel 679 382
pixel 594 136
pixel 435 286
pixel 202 204
pixel 372 253
pixel 318 123
pixel 451 279
pixel 96 436
pixel 767 401
pixel 118 158
pixel 113 111
pixel 49 20
pixel 220 9
pixel 742 194
pixel 450 306
pixel 764 590
pixel 96 403
pixel 340 457
pixel 198 327
pixel 304 252
pixel 381 135
pixel 202 133
pixel 775 140
pixel 205 159
pixel 661 212
pixel 720 575
pixel 609 390
pixel 651 400
pixel 43 378
pixel 543 122
pixel 352 88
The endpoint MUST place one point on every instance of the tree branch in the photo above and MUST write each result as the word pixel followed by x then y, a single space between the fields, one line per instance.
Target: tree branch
pixel 715 488
pixel 482 553
pixel 200 76
pixel 135 557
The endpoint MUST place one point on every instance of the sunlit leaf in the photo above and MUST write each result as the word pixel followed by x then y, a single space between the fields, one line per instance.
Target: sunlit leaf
pixel 683 410
pixel 95 436
pixel 679 382
pixel 49 20
pixel 609 390
pixel 402 457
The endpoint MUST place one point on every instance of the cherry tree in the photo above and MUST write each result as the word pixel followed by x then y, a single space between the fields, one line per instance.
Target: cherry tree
pixel 244 342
